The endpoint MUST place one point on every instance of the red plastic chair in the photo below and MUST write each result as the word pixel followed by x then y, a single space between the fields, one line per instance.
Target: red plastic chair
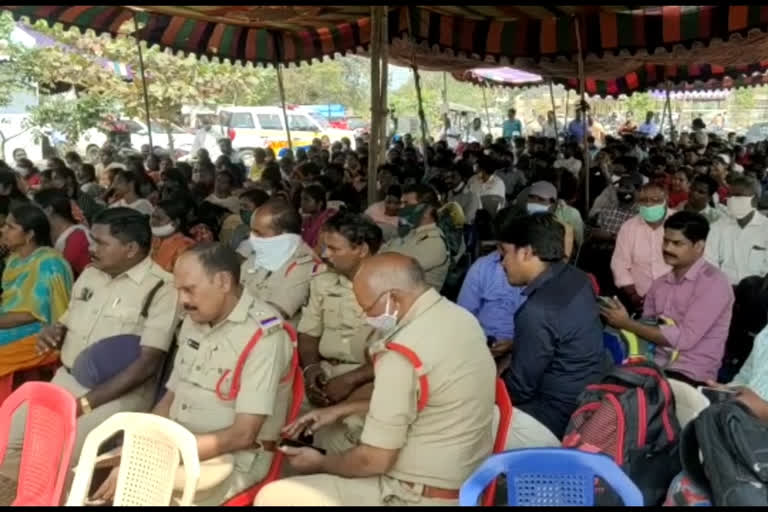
pixel 499 445
pixel 49 438
pixel 245 499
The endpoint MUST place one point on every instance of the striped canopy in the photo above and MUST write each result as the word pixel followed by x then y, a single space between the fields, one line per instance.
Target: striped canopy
pixel 448 36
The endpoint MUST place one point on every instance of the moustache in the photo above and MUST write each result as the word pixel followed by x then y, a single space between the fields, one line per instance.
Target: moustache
pixel 669 255
pixel 189 307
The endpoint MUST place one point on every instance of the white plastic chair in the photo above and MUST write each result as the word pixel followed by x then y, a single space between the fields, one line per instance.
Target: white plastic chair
pixel 152 448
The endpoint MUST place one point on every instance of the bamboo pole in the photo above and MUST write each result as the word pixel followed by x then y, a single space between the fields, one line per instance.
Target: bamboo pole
pixel 417 83
pixel 583 108
pixel 554 107
pixel 664 112
pixel 281 90
pixel 485 106
pixel 376 113
pixel 668 106
pixel 567 101
pixel 144 85
pixel 384 82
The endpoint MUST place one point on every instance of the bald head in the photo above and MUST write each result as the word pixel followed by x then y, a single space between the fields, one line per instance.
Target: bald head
pixel 400 276
pixel 276 217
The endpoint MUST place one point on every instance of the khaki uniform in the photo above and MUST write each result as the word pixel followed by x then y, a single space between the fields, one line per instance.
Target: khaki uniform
pixel 287 288
pixel 205 354
pixel 333 315
pixel 439 446
pixel 102 307
pixel 425 245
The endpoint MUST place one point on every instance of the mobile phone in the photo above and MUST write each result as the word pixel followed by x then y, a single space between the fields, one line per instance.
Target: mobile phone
pixel 606 302
pixel 716 395
pixel 295 443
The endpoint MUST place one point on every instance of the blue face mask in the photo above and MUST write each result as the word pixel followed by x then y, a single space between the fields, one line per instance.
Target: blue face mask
pixel 534 208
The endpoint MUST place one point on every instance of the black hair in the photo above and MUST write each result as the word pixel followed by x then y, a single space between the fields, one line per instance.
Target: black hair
pixel 285 217
pixel 127 225
pixel 58 163
pixel 174 210
pixel 255 195
pixel 215 257
pixel 357 229
pixel 746 182
pixel 88 171
pixel 69 177
pixel 316 193
pixel 8 179
pixel 73 156
pixel 177 176
pixel 33 218
pixel 131 179
pixel 694 226
pixel 58 202
pixel 395 191
pixel 541 232
pixel 629 163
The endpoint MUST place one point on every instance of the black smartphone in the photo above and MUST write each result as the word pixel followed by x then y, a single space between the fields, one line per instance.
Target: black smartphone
pixel 295 443
pixel 716 395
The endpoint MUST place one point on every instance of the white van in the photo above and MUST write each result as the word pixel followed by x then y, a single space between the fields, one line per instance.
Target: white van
pixel 255 127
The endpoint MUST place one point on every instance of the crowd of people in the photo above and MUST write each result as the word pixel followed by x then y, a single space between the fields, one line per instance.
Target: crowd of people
pixel 147 279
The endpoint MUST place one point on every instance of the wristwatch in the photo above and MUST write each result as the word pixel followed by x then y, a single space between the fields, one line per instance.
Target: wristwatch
pixel 85 405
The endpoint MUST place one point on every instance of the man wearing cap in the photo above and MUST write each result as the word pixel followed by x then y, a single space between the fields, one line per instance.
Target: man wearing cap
pixel 542 198
pixel 236 426
pixel 123 292
pixel 281 265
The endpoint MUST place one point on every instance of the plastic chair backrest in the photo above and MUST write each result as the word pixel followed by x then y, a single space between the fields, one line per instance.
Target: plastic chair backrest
pixel 502 433
pixel 550 477
pixel 49 438
pixel 245 499
pixel 148 460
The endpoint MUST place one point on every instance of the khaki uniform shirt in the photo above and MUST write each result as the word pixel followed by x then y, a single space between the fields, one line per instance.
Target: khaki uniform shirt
pixel 445 442
pixel 102 307
pixel 425 245
pixel 287 288
pixel 333 315
pixel 205 353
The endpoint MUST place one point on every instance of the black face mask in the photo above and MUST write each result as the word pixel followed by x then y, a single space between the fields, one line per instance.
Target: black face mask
pixel 626 196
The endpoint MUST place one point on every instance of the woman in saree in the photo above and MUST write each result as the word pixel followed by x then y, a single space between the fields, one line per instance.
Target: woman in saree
pixel 37 282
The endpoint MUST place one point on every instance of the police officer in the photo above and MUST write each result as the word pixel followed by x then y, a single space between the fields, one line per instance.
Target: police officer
pixel 111 297
pixel 420 237
pixel 421 440
pixel 281 265
pixel 222 320
pixel 333 333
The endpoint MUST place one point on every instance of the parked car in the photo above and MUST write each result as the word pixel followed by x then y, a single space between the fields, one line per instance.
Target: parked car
pixel 135 133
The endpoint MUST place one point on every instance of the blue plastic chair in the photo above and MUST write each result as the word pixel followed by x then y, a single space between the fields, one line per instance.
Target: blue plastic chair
pixel 613 345
pixel 550 477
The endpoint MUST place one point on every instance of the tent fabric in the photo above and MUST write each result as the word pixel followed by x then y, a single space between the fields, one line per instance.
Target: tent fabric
pixel 489 34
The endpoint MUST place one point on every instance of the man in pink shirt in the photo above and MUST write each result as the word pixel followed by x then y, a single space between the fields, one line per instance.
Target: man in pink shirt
pixel 696 296
pixel 637 258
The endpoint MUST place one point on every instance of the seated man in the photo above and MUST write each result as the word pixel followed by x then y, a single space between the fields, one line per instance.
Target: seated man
pixel 487 294
pixel 333 333
pixel 107 300
pixel 409 453
pixel 738 244
pixel 420 237
pixel 281 265
pixel 637 259
pixel 221 320
pixel 558 335
pixel 696 296
pixel 542 198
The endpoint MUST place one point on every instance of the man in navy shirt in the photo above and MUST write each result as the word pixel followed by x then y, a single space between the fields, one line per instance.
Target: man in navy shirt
pixel 558 347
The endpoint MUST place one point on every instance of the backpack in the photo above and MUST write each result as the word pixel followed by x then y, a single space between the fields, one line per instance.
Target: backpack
pixel 630 416
pixel 684 492
pixel 734 447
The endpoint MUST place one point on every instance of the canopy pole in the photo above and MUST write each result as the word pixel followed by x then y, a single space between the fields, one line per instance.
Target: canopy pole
pixel 378 95
pixel 143 84
pixel 664 112
pixel 417 83
pixel 485 106
pixel 567 104
pixel 583 108
pixel 281 90
pixel 554 108
pixel 668 106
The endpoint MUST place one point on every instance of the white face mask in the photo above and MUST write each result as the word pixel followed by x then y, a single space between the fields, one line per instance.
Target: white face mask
pixel 163 231
pixel 534 208
pixel 384 322
pixel 740 206
pixel 272 253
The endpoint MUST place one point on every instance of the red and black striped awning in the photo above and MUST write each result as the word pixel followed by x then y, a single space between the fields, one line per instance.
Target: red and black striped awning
pixel 487 34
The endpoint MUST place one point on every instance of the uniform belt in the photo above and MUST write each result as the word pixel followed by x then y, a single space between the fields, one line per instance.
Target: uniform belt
pixel 267 446
pixel 435 492
pixel 336 362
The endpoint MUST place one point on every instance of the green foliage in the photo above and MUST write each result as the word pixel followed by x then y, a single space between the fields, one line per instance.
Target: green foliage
pixel 69 117
pixel 743 99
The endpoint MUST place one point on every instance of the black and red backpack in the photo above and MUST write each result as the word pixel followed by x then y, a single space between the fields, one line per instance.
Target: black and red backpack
pixel 630 416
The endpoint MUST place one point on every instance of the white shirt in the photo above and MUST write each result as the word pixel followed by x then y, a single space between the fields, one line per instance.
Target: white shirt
pixel 549 131
pixel 738 252
pixel 475 136
pixel 570 164
pixel 493 187
pixel 140 205
pixel 451 137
